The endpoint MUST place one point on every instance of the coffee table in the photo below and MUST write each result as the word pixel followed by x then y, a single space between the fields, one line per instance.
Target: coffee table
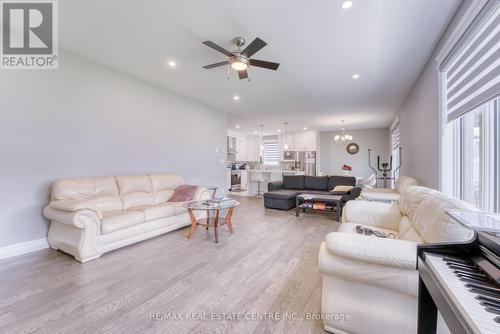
pixel 213 220
pixel 334 200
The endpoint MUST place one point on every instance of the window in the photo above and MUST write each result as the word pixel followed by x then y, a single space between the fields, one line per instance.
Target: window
pixel 395 147
pixel 470 89
pixel 270 152
pixel 476 161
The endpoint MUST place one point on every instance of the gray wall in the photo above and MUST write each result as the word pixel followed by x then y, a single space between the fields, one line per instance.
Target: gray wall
pixel 332 156
pixel 88 120
pixel 419 118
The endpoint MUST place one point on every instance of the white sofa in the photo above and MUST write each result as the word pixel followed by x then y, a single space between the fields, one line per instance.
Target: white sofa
pixel 93 216
pixel 375 280
pixel 387 194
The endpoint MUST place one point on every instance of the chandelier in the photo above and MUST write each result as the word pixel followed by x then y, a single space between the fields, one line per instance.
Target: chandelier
pixel 344 138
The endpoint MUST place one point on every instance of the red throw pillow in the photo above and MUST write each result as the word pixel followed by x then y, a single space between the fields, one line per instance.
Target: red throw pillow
pixel 183 193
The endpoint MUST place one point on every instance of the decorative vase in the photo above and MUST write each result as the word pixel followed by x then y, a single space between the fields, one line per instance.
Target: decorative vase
pixel 346 172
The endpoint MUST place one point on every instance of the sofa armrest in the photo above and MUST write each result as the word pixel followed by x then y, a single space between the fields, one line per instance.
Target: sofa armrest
pixel 276 185
pixel 376 214
pixel 382 251
pixel 70 205
pixel 79 218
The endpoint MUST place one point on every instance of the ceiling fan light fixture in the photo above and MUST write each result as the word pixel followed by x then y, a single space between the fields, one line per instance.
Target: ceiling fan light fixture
pixel 239 66
pixel 347 4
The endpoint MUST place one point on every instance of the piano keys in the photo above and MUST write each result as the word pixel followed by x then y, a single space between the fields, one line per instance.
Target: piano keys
pixel 462 281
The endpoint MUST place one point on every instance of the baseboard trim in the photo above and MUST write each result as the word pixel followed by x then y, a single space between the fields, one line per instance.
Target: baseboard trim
pixel 23 248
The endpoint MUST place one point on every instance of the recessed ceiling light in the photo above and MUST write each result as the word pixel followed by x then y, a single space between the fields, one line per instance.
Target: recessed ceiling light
pixel 172 63
pixel 355 76
pixel 347 4
pixel 237 126
pixel 236 97
pixel 305 127
pixel 279 130
pixel 256 132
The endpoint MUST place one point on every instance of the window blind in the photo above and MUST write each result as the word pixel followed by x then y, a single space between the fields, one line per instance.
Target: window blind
pixel 395 136
pixel 271 153
pixel 472 69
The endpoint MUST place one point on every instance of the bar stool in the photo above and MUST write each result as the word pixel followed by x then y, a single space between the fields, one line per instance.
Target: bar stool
pixel 259 178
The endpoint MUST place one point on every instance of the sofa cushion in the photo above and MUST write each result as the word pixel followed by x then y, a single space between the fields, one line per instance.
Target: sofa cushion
pixel 179 207
pixel 316 182
pixel 403 183
pixel 293 182
pixel 159 211
pixel 337 180
pixel 135 191
pixel 284 194
pixel 117 220
pixel 163 186
pixel 101 192
pixel 433 224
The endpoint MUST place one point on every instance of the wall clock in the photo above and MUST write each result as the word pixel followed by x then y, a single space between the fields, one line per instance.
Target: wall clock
pixel 352 148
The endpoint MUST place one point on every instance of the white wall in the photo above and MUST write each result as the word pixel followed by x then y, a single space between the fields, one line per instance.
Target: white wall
pixel 88 120
pixel 333 156
pixel 419 118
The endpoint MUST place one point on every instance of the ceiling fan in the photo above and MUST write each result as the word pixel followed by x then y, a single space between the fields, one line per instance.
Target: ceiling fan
pixel 239 60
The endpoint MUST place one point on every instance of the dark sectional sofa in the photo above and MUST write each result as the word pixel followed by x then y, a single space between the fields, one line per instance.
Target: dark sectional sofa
pixel 281 194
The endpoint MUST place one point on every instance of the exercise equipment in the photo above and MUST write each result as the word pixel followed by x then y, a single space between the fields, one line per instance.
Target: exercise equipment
pixel 385 168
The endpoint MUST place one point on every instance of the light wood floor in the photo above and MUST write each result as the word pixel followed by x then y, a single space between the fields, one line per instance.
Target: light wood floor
pixel 269 265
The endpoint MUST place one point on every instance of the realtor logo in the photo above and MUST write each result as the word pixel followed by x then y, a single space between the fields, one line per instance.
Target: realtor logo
pixel 29 34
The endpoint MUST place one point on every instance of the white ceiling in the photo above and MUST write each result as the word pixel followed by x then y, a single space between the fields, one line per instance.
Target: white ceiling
pixel 319 45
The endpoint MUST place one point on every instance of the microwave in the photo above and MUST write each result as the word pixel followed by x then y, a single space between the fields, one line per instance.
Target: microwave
pixel 289 155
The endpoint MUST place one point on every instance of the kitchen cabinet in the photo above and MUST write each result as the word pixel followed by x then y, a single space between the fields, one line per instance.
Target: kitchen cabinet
pixel 253 148
pixel 241 146
pixel 244 179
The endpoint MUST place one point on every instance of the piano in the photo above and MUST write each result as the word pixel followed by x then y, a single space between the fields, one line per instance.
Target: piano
pixel 462 281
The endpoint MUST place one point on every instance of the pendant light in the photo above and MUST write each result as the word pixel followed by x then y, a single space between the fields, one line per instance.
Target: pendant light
pixel 344 138
pixel 286 136
pixel 262 137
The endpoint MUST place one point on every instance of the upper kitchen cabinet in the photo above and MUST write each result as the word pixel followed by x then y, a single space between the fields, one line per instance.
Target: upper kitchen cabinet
pixel 244 147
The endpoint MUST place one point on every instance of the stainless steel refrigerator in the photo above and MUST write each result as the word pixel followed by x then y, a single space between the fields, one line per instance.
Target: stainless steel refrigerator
pixel 306 161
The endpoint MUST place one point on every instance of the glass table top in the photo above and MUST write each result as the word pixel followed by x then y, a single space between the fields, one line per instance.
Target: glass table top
pixel 212 204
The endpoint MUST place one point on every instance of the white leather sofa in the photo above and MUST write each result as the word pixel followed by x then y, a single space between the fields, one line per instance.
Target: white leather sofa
pixel 93 216
pixel 374 280
pixel 387 194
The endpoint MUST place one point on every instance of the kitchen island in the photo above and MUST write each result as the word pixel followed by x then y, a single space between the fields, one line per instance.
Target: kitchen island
pixel 267 175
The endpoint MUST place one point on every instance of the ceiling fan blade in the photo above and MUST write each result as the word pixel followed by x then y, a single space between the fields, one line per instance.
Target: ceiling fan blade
pixel 254 47
pixel 222 63
pixel 243 74
pixel 218 48
pixel 264 64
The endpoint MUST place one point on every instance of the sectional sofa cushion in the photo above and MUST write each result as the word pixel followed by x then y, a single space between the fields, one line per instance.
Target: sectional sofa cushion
pixel 293 182
pixel 282 194
pixel 316 183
